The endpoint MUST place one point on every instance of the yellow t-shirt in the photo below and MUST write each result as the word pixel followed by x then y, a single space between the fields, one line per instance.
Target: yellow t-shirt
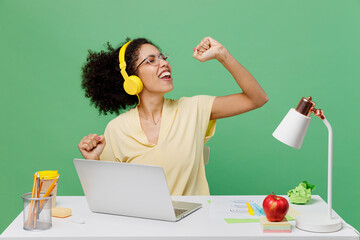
pixel 185 127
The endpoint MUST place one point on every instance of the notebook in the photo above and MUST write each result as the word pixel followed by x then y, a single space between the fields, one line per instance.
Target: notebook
pixel 134 190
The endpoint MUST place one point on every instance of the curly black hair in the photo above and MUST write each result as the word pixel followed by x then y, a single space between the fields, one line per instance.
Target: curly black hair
pixel 102 80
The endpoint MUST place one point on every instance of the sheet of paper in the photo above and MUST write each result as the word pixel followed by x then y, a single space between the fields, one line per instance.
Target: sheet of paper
pixel 234 208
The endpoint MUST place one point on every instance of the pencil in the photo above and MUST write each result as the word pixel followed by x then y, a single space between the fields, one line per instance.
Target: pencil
pixel 37 195
pixel 51 188
pixel 31 202
pixel 39 191
pixel 40 183
pixel 48 192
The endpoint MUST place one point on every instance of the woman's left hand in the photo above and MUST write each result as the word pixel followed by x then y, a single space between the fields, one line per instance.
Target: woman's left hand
pixel 209 49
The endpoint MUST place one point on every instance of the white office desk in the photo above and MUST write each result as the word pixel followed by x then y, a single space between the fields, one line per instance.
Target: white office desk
pixel 198 225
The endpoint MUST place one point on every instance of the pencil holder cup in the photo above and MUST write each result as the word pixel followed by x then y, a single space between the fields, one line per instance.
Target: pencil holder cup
pixel 37 212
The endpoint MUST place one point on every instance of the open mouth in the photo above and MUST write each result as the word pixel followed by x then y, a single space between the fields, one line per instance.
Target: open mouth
pixel 166 75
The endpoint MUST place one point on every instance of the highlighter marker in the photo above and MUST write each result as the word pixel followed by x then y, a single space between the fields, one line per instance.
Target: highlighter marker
pixel 250 210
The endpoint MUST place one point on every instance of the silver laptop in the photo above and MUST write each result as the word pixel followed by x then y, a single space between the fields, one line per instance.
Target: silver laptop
pixel 126 189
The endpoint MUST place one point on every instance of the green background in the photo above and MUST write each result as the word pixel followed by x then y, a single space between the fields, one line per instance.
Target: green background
pixel 293 48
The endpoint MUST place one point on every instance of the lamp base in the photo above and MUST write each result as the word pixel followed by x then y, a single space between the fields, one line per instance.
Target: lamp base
pixel 317 223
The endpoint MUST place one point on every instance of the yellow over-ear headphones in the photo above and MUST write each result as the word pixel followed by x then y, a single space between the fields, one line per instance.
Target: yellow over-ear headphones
pixel 132 84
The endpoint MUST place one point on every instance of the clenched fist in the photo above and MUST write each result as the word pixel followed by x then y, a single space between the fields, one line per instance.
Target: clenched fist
pixel 209 49
pixel 91 146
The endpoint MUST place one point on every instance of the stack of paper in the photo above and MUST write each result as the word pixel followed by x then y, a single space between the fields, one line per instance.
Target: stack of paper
pixel 275 227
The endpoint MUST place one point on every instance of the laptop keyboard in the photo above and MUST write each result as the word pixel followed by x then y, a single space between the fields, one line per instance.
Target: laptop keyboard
pixel 179 211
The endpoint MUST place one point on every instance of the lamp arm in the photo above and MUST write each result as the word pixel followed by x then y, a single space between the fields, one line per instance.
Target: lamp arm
pixel 330 164
pixel 319 113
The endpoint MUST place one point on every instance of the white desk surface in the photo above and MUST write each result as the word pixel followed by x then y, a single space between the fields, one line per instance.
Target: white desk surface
pixel 198 225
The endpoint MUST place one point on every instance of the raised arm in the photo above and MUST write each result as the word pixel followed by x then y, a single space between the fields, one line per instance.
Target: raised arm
pixel 252 95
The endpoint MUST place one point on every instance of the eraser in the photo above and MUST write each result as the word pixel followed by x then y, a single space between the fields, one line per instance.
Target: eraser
pixel 61 212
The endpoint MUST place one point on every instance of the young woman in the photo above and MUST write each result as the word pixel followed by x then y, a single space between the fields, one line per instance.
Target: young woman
pixel 159 131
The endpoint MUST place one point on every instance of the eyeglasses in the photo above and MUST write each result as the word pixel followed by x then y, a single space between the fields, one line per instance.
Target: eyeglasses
pixel 154 59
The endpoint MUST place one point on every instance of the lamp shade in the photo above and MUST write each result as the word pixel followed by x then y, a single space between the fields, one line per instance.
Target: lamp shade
pixel 292 129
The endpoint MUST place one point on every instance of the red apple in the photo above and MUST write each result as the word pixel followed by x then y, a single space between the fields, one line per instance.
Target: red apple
pixel 275 208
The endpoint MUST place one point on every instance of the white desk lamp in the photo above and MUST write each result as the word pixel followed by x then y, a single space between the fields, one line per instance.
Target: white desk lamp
pixel 291 131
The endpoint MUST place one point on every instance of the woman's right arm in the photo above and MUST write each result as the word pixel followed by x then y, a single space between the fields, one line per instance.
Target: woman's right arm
pixel 91 146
